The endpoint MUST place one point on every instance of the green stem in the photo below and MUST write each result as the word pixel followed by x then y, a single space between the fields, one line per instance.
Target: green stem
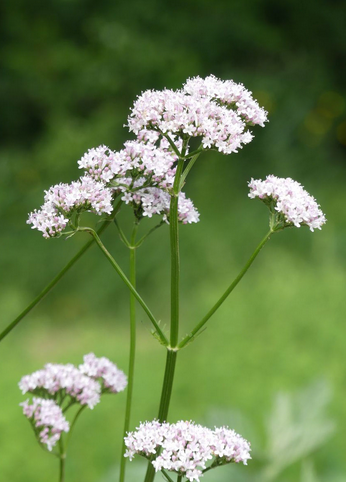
pixel 167 385
pixel 175 258
pixel 57 278
pixel 123 460
pixel 213 466
pixel 62 458
pixel 171 143
pixel 121 234
pixel 188 168
pixel 194 153
pixel 138 243
pixel 226 293
pixel 73 423
pixel 179 478
pixel 175 272
pixel 166 475
pixel 164 402
pixel 122 275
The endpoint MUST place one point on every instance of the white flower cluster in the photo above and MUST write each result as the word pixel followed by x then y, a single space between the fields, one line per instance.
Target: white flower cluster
pixel 54 378
pixel 112 379
pixel 290 199
pixel 142 173
pixel 63 199
pixel 153 200
pixel 46 414
pixel 59 385
pixel 66 380
pixel 228 93
pixel 185 447
pixel 143 159
pixel 218 112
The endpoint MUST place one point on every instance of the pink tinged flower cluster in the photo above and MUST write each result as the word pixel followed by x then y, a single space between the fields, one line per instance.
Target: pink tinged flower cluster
pixel 136 159
pixel 230 94
pixel 143 173
pixel 290 199
pixel 218 112
pixel 62 200
pixel 107 373
pixel 54 378
pixel 185 447
pixel 153 200
pixel 46 414
pixel 141 164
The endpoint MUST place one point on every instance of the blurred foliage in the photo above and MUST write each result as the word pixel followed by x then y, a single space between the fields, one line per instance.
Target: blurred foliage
pixel 297 427
pixel 70 70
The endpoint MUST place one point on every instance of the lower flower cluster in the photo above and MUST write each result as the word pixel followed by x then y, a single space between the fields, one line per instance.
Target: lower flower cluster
pixel 57 387
pixel 46 414
pixel 187 448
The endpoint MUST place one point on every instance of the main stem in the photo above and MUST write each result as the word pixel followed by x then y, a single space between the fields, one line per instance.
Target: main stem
pixel 229 290
pixel 175 257
pixel 172 350
pixel 132 278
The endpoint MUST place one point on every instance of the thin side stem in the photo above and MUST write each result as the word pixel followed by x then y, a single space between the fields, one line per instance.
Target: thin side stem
pixel 122 275
pixel 121 234
pixel 193 153
pixel 229 290
pixel 171 143
pixel 57 278
pixel 73 423
pixel 188 168
pixel 132 277
pixel 138 243
pixel 166 475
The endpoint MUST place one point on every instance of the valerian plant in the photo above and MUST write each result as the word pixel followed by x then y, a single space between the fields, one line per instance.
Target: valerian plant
pixel 147 176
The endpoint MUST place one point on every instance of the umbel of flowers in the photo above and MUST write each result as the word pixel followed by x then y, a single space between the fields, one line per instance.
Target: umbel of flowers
pixel 219 113
pixel 186 448
pixel 58 387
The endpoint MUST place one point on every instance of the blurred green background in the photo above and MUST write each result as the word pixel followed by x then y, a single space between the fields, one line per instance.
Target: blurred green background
pixel 70 72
